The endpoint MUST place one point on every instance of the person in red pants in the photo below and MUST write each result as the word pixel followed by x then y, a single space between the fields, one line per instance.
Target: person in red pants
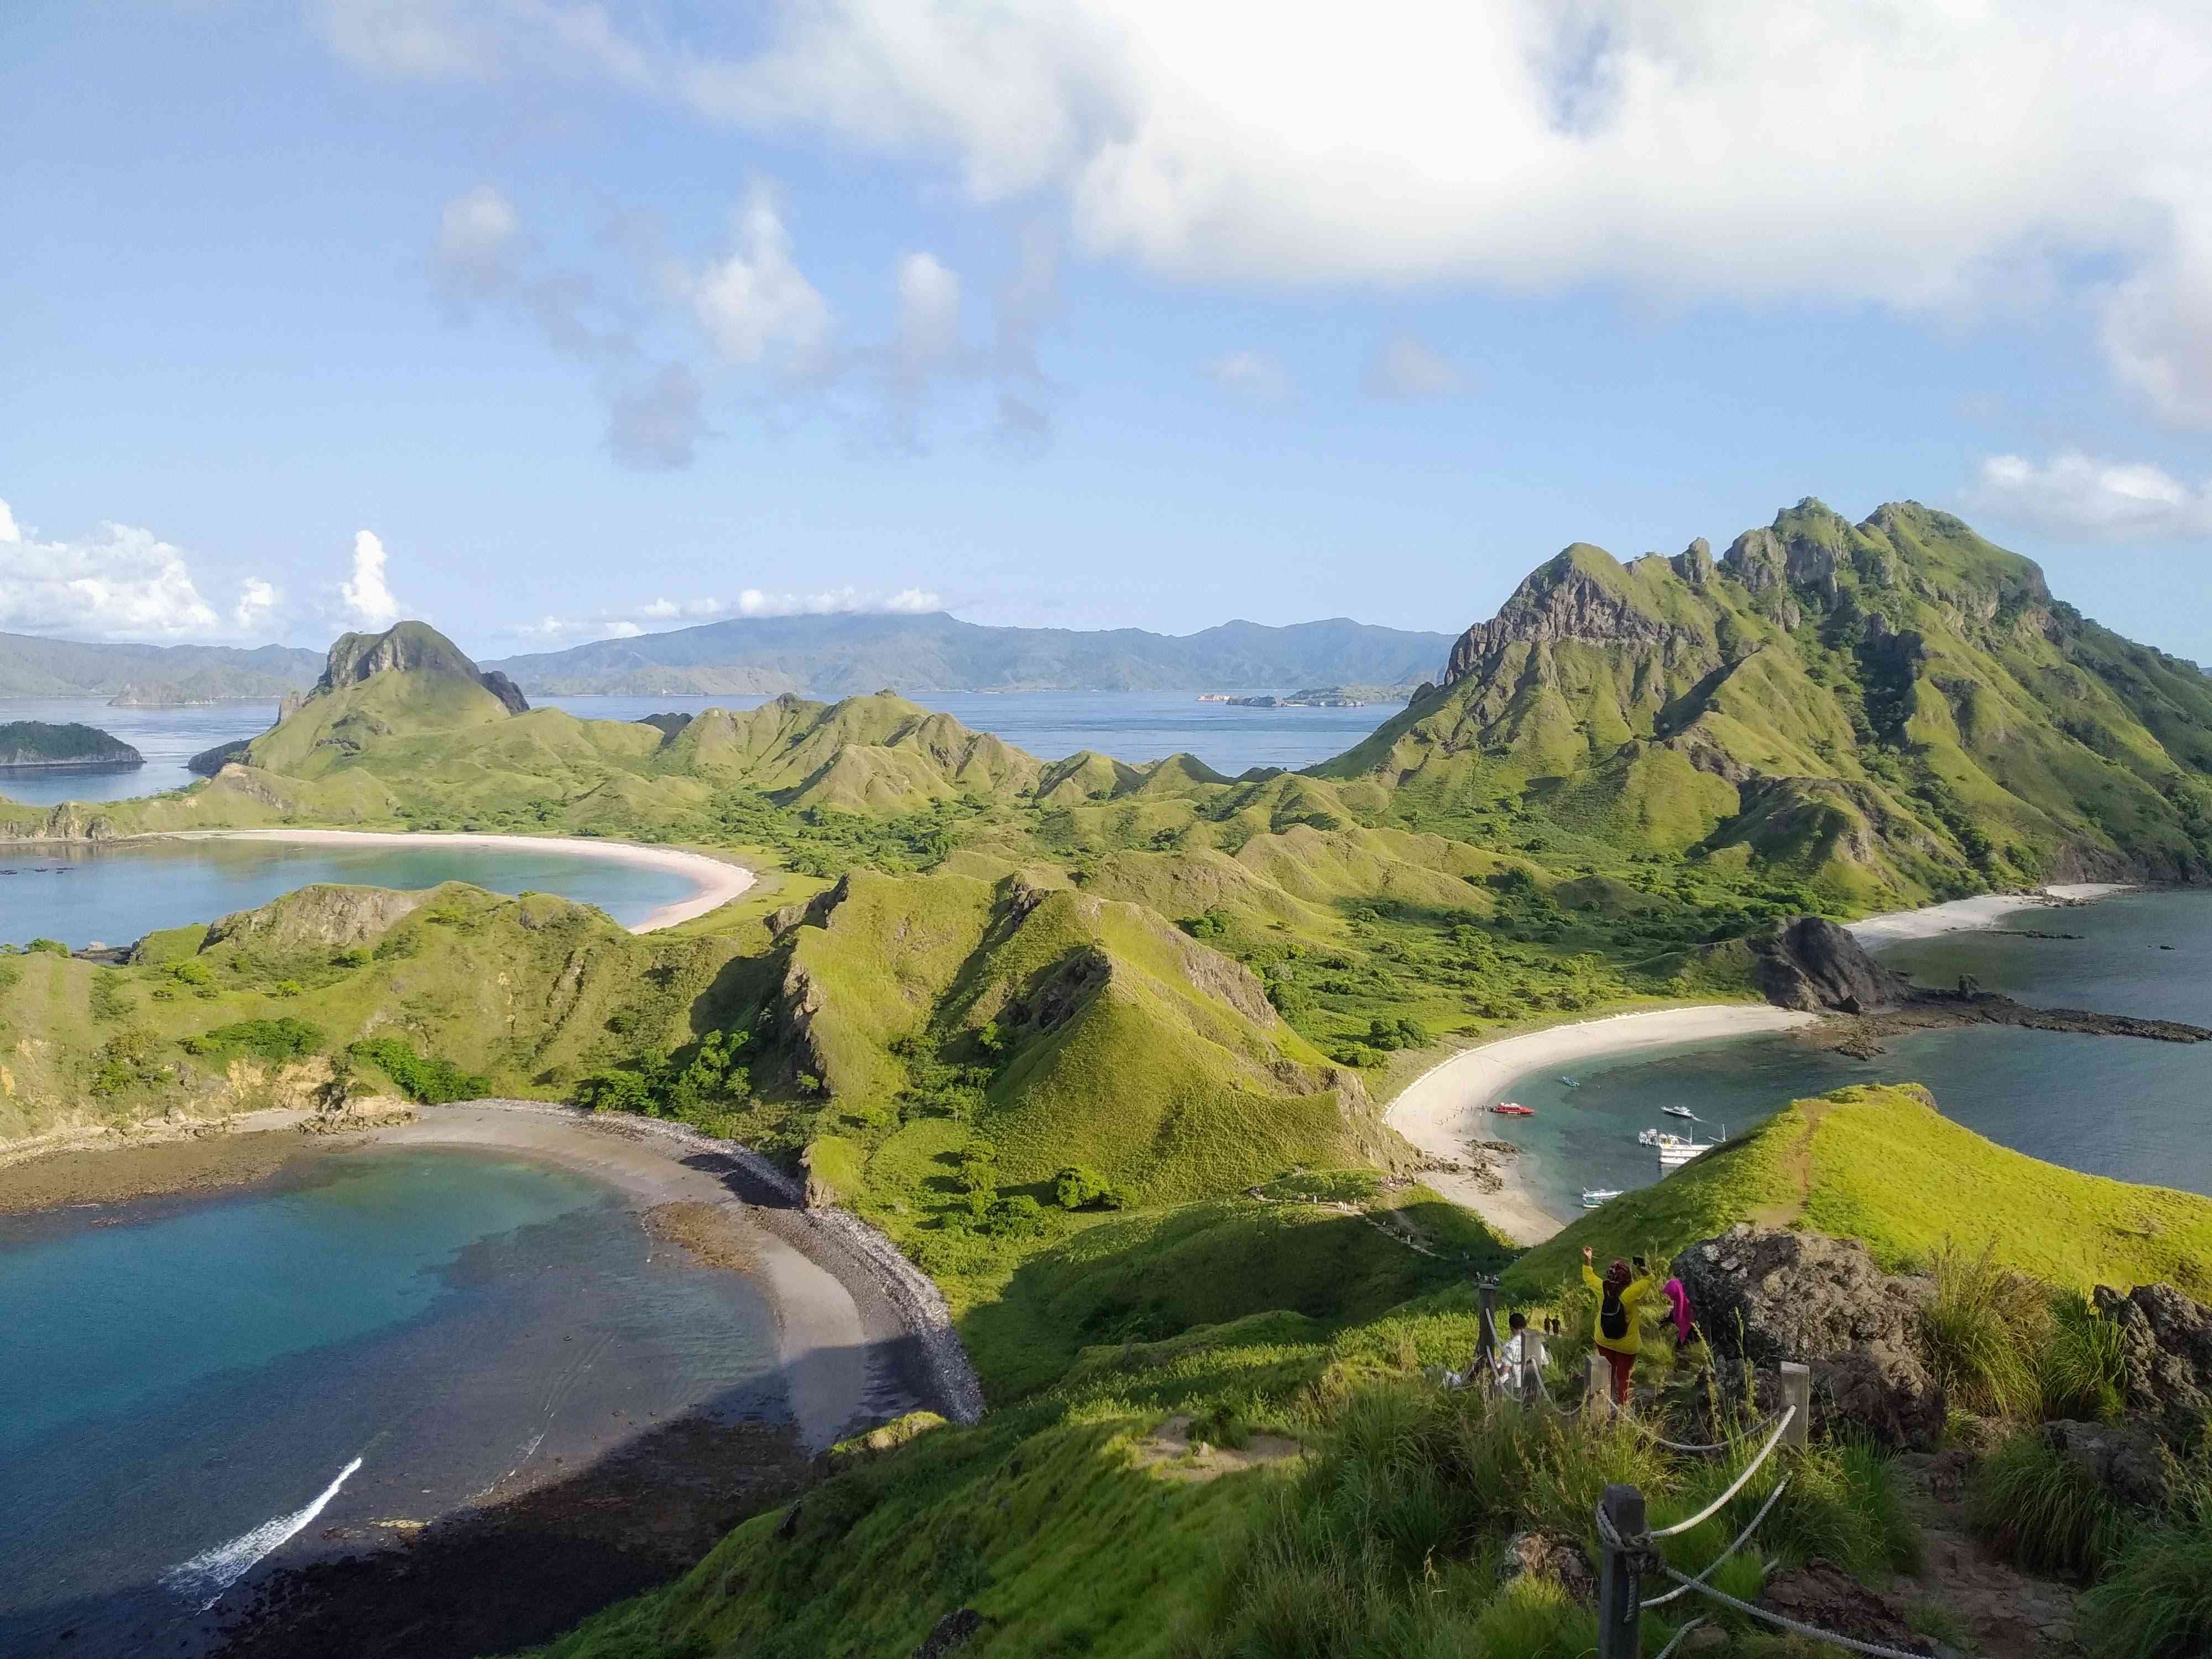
pixel 1619 1338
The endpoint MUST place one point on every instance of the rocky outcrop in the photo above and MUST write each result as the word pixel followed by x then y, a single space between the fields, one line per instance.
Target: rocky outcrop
pixel 324 916
pixel 408 647
pixel 1568 598
pixel 209 762
pixel 2127 1459
pixel 2166 1339
pixel 949 1634
pixel 40 743
pixel 1764 1296
pixel 1812 965
pixel 1551 1556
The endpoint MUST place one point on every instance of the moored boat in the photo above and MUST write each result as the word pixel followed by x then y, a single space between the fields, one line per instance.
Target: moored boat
pixel 1593 1196
pixel 1513 1109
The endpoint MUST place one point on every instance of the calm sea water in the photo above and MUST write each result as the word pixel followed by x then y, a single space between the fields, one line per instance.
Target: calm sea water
pixel 196 1389
pixel 115 895
pixel 2114 1106
pixel 1130 725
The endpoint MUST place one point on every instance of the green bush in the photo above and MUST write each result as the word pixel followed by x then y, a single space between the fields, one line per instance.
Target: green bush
pixel 1075 1188
pixel 277 1040
pixel 428 1080
pixel 52 947
pixel 2043 1512
pixel 1983 1330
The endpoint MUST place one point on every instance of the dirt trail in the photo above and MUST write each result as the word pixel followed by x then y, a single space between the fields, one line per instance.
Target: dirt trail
pixel 2003 1610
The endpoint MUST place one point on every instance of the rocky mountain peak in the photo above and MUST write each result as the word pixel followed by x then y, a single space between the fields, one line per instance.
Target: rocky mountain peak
pixel 1580 594
pixel 410 648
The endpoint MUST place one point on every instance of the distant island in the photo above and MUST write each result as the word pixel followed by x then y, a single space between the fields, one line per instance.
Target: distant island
pixel 1318 696
pixel 130 675
pixel 35 743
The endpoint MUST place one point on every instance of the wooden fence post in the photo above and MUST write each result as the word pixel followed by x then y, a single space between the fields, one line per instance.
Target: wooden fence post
pixel 1599 1395
pixel 1485 1340
pixel 1620 1617
pixel 1797 1390
pixel 1530 1382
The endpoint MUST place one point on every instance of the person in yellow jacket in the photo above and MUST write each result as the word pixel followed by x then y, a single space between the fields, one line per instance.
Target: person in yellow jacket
pixel 1619 1338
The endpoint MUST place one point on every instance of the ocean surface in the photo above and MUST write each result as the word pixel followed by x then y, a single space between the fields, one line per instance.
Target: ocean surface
pixel 197 1388
pixel 2123 1107
pixel 1130 725
pixel 84 894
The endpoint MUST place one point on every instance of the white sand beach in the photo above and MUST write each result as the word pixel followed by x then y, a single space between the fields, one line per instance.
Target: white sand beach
pixel 1441 1111
pixel 718 880
pixel 1984 910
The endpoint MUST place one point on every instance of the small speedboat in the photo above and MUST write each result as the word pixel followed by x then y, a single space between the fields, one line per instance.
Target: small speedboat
pixel 1572 1083
pixel 1593 1196
pixel 1661 1138
pixel 1679 1111
pixel 1513 1109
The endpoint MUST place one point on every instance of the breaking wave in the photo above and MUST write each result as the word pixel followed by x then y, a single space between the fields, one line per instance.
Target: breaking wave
pixel 211 1572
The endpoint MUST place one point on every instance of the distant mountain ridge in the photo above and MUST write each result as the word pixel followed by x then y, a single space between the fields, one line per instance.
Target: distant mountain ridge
pixel 850 654
pixel 31 666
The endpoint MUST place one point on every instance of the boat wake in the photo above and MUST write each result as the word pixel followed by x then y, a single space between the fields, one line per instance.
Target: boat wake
pixel 211 1572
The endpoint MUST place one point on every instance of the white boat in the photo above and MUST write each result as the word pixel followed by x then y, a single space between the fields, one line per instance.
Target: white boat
pixel 1662 1138
pixel 1571 1082
pixel 1593 1196
pixel 1679 1111
pixel 1674 1151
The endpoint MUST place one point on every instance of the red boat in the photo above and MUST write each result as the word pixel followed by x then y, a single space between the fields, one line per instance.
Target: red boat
pixel 1513 1109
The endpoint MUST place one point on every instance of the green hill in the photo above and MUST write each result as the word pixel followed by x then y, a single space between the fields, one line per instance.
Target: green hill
pixel 1888 709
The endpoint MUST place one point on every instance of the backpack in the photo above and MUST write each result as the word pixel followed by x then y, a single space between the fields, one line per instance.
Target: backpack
pixel 1612 1317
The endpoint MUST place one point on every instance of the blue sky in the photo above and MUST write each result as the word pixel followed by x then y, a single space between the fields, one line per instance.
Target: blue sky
pixel 547 321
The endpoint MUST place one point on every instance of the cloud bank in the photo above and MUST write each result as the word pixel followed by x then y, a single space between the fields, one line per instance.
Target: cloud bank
pixel 120 582
pixel 2079 496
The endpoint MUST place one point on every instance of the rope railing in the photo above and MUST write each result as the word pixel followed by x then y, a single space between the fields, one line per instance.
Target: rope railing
pixel 1783 1622
pixel 1713 1566
pixel 1781 1428
pixel 1679 1636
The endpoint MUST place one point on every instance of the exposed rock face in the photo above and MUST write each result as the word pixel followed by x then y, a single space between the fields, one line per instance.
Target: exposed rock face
pixel 413 646
pixel 1811 964
pixel 1542 1553
pixel 1822 1594
pixel 209 762
pixel 39 743
pixel 2167 1341
pixel 2126 1459
pixel 956 1629
pixel 1766 1296
pixel 321 915
pixel 1563 599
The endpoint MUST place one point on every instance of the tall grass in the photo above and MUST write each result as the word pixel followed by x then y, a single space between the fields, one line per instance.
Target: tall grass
pixel 2080 1368
pixel 2044 1512
pixel 1982 1332
pixel 2156 1601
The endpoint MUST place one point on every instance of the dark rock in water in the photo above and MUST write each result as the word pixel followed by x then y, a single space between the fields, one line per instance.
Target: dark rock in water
pixel 1810 963
pixel 38 743
pixel 1763 1298
pixel 1823 1594
pixel 209 762
pixel 956 1629
pixel 2127 1459
pixel 1542 1553
pixel 2166 1339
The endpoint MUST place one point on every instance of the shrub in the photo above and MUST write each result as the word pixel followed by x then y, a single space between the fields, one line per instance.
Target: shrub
pixel 1981 1331
pixel 277 1040
pixel 2156 1602
pixel 52 947
pixel 428 1080
pixel 2081 1367
pixel 1018 1216
pixel 2043 1512
pixel 109 1000
pixel 1075 1188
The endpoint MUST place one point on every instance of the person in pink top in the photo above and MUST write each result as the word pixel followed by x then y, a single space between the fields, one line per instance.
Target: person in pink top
pixel 1686 1328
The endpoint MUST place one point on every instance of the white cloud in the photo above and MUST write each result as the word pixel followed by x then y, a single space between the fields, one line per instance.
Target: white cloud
pixel 1916 155
pixel 1402 367
pixel 659 615
pixel 1250 375
pixel 914 602
pixel 256 600
pixel 477 238
pixel 928 315
pixel 755 305
pixel 119 582
pixel 2078 495
pixel 368 595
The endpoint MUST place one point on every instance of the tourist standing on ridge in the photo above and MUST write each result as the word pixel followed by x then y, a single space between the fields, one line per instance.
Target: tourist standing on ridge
pixel 1619 1339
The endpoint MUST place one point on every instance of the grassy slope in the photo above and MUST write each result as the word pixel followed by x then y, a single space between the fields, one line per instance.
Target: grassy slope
pixel 1883 1165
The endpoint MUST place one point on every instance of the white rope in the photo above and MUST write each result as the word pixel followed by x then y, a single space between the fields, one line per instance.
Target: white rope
pixel 1819 1635
pixel 1721 1503
pixel 1741 1538
pixel 1675 1641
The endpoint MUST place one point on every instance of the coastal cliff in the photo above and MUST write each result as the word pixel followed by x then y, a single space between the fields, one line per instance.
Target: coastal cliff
pixel 25 744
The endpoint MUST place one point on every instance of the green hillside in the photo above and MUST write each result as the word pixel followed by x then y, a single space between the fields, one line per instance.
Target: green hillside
pixel 1888 710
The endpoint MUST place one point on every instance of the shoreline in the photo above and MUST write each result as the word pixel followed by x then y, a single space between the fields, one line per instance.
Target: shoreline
pixel 1443 1108
pixel 1971 915
pixel 717 880
pixel 844 1296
